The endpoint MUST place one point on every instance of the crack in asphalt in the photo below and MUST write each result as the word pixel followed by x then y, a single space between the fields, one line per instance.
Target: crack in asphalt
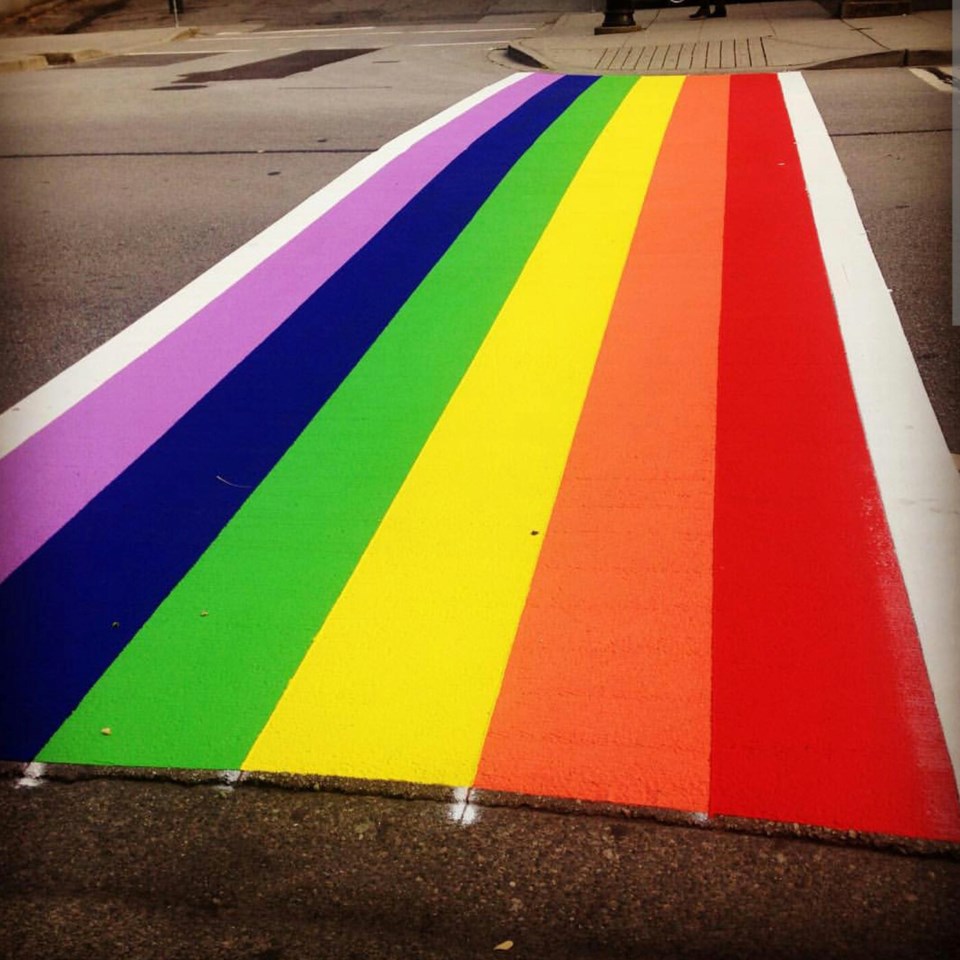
pixel 891 133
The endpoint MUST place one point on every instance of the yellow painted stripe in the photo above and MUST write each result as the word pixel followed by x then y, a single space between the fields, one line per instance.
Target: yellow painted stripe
pixel 401 681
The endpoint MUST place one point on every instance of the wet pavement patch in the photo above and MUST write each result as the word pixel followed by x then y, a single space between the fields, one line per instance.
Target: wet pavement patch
pixel 277 67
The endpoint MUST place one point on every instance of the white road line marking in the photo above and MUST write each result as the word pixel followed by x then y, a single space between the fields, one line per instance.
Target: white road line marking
pixel 451 43
pixel 228 780
pixel 154 53
pixel 326 31
pixel 48 402
pixel 462 811
pixel 193 51
pixel 273 33
pixel 931 80
pixel 32 777
pixel 915 472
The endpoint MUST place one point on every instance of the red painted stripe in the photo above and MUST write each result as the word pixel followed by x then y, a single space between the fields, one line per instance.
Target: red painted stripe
pixel 822 710
pixel 607 691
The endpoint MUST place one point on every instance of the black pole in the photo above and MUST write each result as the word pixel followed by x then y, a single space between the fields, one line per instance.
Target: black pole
pixel 617 17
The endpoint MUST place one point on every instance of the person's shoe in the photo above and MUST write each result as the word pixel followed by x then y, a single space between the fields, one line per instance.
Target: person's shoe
pixel 717 13
pixel 701 14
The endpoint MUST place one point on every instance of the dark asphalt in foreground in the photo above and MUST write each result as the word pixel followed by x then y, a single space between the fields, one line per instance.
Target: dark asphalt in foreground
pixel 266 872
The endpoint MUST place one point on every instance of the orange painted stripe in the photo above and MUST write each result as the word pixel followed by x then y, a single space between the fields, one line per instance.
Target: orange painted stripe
pixel 607 692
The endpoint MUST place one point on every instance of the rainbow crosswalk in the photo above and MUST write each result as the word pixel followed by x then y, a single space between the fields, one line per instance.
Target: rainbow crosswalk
pixel 569 445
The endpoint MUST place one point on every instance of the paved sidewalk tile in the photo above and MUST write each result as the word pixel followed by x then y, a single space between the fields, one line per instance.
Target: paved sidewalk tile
pixel 794 34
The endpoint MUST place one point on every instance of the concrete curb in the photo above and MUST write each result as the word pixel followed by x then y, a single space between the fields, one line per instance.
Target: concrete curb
pixel 516 53
pixel 889 58
pixel 60 58
pixel 772 36
pixel 32 62
pixel 519 54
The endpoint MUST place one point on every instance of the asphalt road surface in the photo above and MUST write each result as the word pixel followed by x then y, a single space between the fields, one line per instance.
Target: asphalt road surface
pixel 119 185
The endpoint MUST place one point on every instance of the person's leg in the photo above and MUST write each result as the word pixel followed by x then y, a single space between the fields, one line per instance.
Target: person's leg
pixel 701 12
pixel 719 10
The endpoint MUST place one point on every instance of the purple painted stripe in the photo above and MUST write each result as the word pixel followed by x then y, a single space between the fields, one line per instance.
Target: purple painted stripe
pixel 53 475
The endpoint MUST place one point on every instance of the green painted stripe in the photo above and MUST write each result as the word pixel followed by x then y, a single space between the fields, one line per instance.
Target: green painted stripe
pixel 197 683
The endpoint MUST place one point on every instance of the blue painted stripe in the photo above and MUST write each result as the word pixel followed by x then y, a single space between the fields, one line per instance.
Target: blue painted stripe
pixel 70 609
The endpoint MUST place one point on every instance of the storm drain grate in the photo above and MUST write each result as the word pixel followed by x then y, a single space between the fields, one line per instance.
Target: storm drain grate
pixel 276 67
pixel 683 57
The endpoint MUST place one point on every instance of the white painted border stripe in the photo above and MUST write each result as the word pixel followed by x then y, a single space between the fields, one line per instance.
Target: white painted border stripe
pixel 50 401
pixel 918 481
pixel 508 29
pixel 930 80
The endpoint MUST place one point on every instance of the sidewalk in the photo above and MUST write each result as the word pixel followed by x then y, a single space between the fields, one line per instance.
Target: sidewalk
pixel 798 34
pixel 791 34
pixel 35 53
